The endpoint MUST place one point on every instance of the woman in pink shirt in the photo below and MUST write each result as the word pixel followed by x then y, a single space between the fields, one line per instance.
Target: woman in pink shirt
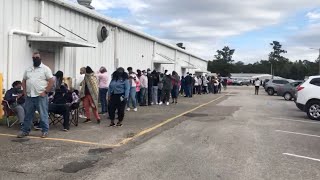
pixel 103 79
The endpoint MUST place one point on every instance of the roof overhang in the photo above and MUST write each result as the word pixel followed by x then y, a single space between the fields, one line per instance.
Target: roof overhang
pixel 201 71
pixel 62 41
pixel 188 67
pixel 162 62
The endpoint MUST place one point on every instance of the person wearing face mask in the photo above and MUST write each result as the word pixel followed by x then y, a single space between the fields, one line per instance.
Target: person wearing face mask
pixel 16 100
pixel 37 83
pixel 119 89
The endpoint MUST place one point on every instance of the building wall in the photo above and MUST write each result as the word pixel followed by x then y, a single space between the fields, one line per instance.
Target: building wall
pixel 163 51
pixel 133 50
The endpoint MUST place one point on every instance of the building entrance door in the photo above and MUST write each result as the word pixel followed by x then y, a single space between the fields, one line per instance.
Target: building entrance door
pixel 48 59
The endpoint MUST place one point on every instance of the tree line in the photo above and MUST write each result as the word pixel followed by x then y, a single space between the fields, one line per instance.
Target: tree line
pixel 277 64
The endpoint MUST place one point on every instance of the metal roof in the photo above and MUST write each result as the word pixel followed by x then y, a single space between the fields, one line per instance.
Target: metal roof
pixel 92 13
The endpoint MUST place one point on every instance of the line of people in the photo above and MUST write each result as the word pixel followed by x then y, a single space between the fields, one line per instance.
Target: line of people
pixel 44 92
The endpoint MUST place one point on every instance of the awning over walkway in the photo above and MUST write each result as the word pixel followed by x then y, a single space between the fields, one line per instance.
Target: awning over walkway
pixel 201 71
pixel 188 67
pixel 162 62
pixel 62 41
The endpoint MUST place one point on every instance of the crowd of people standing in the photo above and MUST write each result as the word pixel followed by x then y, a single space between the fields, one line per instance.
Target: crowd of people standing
pixel 44 92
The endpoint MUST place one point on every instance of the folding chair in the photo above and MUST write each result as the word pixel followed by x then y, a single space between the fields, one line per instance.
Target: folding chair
pixel 55 118
pixel 74 111
pixel 8 112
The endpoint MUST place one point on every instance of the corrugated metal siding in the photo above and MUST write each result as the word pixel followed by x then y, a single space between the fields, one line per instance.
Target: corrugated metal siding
pixel 167 52
pixel 131 48
pixel 16 14
pixel 20 14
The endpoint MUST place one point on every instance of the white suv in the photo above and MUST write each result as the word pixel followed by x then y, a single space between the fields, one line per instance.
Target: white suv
pixel 308 97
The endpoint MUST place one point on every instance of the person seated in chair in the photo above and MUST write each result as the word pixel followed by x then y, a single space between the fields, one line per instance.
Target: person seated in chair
pixel 59 105
pixel 16 100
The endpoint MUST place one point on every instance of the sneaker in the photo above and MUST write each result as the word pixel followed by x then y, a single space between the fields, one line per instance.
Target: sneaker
pixel 160 103
pixel 167 103
pixel 102 113
pixel 152 103
pixel 87 121
pixel 128 109
pixel 119 124
pixel 98 121
pixel 112 125
pixel 44 135
pixel 65 129
pixel 135 109
pixel 22 134
pixel 82 116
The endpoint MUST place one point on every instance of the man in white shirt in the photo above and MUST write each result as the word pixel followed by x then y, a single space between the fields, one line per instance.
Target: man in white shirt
pixel 257 84
pixel 37 83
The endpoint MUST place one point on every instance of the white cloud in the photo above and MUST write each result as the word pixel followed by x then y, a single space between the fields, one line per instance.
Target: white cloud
pixel 204 24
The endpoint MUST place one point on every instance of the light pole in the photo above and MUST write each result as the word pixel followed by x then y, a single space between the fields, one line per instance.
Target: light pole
pixel 318 57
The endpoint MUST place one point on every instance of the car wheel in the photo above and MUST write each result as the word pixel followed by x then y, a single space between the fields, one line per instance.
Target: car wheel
pixel 270 92
pixel 313 110
pixel 241 84
pixel 287 96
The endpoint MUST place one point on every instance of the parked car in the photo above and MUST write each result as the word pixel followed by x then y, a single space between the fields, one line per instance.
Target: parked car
pixel 274 84
pixel 288 91
pixel 265 82
pixel 241 82
pixel 308 97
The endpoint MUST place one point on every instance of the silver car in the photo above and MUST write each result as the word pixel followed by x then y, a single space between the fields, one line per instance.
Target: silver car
pixel 273 85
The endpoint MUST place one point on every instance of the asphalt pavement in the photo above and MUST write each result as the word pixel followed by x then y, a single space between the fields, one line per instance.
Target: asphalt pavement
pixel 235 135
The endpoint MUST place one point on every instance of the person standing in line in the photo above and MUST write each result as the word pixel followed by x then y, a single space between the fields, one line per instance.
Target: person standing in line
pixel 196 85
pixel 37 83
pixel 119 89
pixel 205 84
pixel 155 81
pixel 138 83
pixel 133 84
pixel 89 95
pixel 16 100
pixel 150 85
pixel 219 85
pixel 144 88
pixel 182 88
pixel 103 79
pixel 167 87
pixel 192 84
pixel 175 87
pixel 188 80
pixel 200 85
pixel 160 87
pixel 256 86
pixel 78 87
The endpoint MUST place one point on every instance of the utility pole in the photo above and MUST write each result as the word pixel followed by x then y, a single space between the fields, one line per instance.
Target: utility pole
pixel 318 57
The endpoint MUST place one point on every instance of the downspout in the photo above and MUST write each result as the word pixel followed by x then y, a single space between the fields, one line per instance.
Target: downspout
pixel 175 60
pixel 116 59
pixel 154 54
pixel 10 44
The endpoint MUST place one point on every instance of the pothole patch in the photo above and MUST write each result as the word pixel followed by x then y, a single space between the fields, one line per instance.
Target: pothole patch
pixel 195 115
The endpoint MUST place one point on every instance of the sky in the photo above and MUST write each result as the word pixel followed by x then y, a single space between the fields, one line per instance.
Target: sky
pixel 204 26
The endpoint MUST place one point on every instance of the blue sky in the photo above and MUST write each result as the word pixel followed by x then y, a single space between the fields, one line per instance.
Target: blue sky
pixel 205 26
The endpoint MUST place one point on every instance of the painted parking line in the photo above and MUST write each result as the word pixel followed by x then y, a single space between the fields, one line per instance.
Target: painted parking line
pixel 299 156
pixel 297 133
pixel 295 120
pixel 64 140
pixel 127 140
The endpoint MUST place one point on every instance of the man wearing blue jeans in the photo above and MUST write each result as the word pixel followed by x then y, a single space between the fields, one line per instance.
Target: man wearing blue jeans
pixel 37 83
pixel 133 79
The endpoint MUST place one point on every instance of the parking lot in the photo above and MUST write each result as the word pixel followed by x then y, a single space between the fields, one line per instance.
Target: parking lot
pixel 234 135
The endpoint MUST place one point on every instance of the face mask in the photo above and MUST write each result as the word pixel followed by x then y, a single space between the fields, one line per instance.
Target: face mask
pixel 36 61
pixel 144 73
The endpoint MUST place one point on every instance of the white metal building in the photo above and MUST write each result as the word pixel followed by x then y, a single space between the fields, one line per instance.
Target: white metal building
pixel 70 36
